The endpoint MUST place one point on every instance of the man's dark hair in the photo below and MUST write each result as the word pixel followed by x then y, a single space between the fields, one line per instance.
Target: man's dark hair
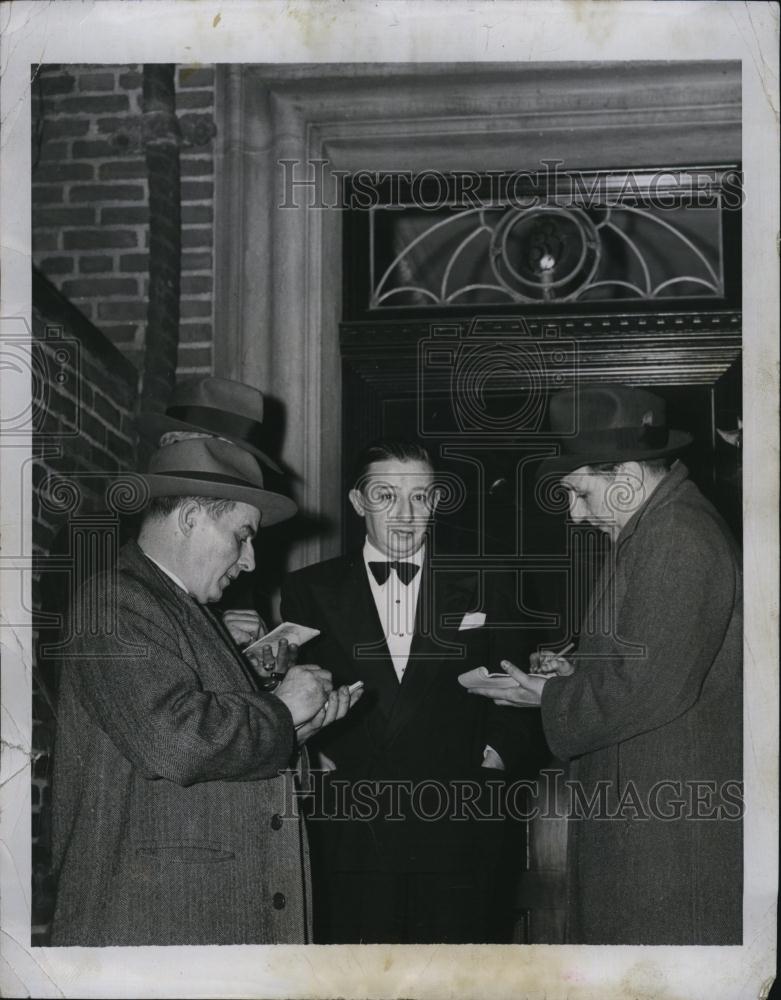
pixel 160 507
pixel 386 451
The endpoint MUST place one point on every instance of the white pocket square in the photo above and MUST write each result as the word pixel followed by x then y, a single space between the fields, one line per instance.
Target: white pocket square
pixel 473 619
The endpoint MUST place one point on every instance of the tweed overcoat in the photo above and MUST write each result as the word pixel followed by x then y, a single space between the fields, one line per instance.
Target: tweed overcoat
pixel 171 821
pixel 653 712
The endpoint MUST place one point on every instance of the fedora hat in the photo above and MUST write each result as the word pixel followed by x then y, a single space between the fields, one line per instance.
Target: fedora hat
pixel 609 423
pixel 217 406
pixel 214 468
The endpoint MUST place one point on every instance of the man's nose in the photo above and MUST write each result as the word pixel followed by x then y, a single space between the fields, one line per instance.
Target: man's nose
pixel 247 557
pixel 406 511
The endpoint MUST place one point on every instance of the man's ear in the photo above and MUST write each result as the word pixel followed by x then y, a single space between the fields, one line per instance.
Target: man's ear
pixel 187 516
pixel 633 472
pixel 435 497
pixel 356 499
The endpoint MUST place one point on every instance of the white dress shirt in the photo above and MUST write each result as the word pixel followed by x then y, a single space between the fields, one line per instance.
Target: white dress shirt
pixel 396 604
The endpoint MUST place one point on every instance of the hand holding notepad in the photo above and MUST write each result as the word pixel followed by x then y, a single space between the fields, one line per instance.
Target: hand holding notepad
pixel 295 635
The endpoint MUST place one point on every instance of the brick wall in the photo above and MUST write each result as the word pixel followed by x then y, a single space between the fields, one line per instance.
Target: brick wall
pixel 84 431
pixel 90 201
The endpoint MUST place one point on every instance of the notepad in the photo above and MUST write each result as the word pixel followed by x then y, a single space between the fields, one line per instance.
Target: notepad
pixel 298 634
pixel 481 678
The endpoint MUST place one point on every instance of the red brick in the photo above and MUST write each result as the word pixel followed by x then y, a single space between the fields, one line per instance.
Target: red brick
pixel 46 218
pixel 89 149
pixel 192 284
pixel 197 190
pixel 107 192
pixel 64 408
pixel 196 262
pixel 194 99
pixel 115 444
pixel 63 172
pixel 56 265
pixel 46 241
pixel 197 168
pixel 94 265
pixel 96 81
pixel 90 105
pixel 107 411
pixel 49 151
pixel 126 215
pixel 107 126
pixel 121 333
pixel 100 239
pixel 134 262
pixel 124 311
pixel 52 84
pixel 197 213
pixel 134 356
pixel 64 128
pixel 124 142
pixel 47 194
pixel 195 332
pixel 196 238
pixel 188 76
pixel 122 169
pixel 131 80
pixel 195 308
pixel 194 357
pixel 99 287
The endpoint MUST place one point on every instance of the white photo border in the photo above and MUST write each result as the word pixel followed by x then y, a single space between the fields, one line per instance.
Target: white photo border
pixel 190 31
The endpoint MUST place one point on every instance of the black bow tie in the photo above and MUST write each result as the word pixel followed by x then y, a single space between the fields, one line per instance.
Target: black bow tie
pixel 404 570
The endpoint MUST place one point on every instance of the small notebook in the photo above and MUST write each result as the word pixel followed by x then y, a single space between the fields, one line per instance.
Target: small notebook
pixel 481 678
pixel 298 634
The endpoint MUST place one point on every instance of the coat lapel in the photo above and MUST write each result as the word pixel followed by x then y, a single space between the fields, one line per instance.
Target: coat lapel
pixel 200 619
pixel 435 639
pixel 349 606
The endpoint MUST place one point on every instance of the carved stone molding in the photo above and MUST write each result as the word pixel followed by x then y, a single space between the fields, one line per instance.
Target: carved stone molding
pixel 278 294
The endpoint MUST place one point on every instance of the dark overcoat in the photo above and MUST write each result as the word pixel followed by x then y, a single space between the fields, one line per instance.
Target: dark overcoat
pixel 425 732
pixel 653 712
pixel 171 822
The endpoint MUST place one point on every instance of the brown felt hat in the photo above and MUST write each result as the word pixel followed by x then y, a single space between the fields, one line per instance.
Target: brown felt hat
pixel 210 405
pixel 609 423
pixel 213 468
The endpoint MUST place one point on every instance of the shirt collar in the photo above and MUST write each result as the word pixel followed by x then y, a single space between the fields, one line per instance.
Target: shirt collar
pixel 168 573
pixel 372 554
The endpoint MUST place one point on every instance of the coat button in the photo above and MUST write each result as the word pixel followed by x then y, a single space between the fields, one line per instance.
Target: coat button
pixel 276 822
pixel 279 901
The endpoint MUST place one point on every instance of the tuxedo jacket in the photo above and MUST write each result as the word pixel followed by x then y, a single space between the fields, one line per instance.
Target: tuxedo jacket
pixel 426 731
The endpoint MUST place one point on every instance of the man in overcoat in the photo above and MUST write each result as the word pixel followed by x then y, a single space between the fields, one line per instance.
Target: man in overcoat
pixel 172 818
pixel 648 711
pixel 405 856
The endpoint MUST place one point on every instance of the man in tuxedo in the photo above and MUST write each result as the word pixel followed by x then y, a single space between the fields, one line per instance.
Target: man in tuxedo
pixel 406 822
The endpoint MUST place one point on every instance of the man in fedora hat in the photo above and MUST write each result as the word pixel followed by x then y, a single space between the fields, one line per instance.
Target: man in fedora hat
pixel 209 406
pixel 172 807
pixel 648 709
